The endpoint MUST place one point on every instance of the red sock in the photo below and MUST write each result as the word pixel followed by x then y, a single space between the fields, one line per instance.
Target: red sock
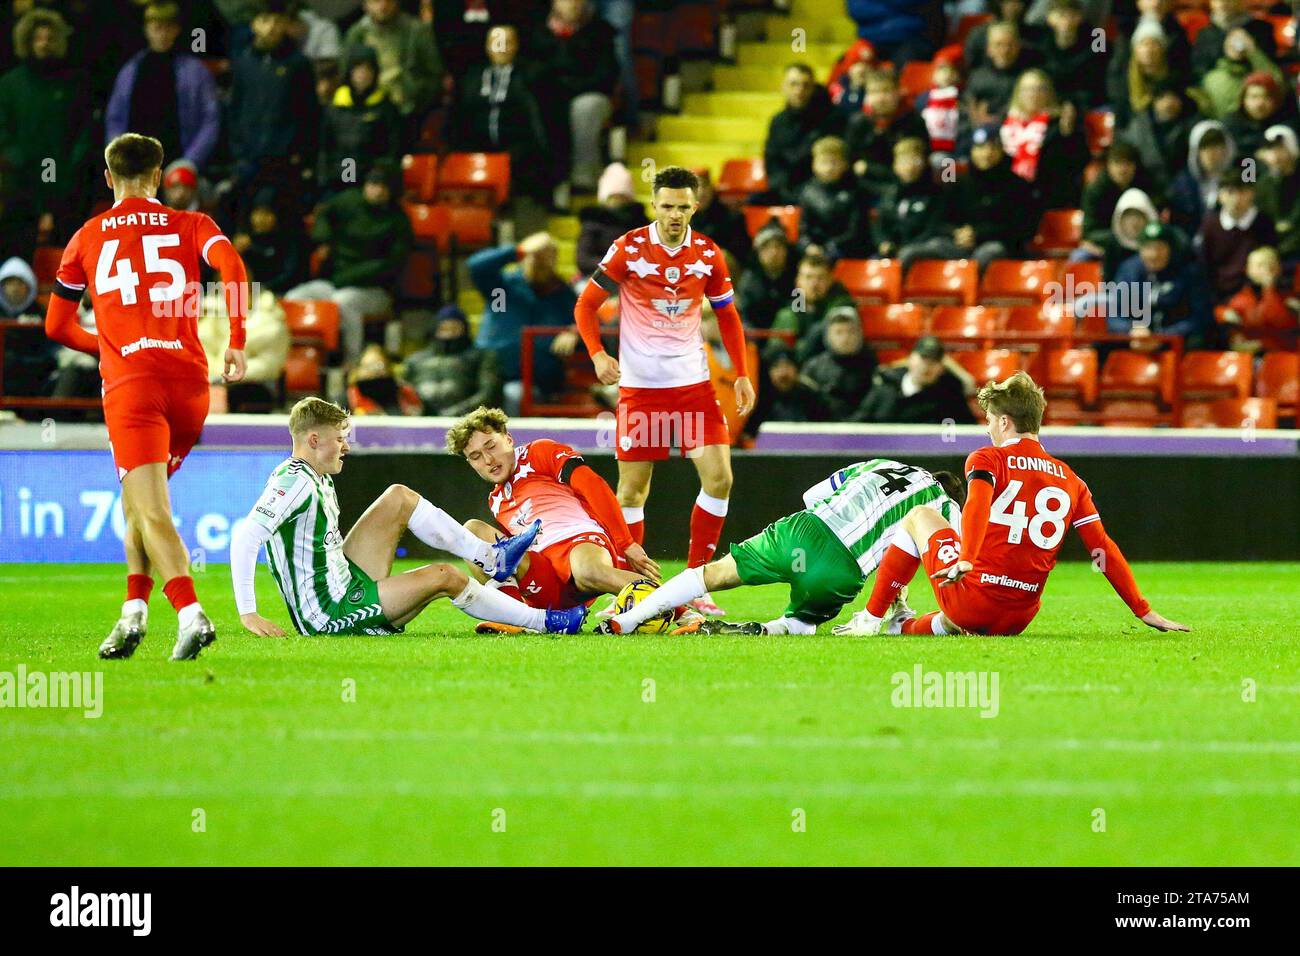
pixel 920 625
pixel 138 587
pixel 638 530
pixel 180 591
pixel 706 528
pixel 896 569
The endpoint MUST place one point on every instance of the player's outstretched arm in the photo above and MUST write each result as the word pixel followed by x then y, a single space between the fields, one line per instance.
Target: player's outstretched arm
pixel 247 540
pixel 1113 564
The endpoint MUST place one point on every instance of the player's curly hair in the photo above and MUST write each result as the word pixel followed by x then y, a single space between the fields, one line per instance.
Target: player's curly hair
pixel 1019 398
pixel 314 412
pixel 482 419
pixel 676 177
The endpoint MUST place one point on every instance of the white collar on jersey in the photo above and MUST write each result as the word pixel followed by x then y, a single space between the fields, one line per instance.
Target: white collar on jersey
pixel 654 240
pixel 1012 441
pixel 145 198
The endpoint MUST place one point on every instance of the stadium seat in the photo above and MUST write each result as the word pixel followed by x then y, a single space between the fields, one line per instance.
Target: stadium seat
pixel 1207 375
pixel 695 27
pixel 474 178
pixel 1069 376
pixel 968 23
pixel 648 69
pixel 915 78
pixel 966 321
pixel 1231 413
pixel 1193 22
pixel 869 281
pixel 1099 125
pixel 902 322
pixel 312 322
pixel 1136 387
pixel 1279 379
pixel 1017 282
pixel 942 281
pixel 302 369
pixel 420 176
pixel 1059 232
pixel 1039 321
pixel 740 179
pixel 45 263
pixel 650 34
pixel 1283 31
pixel 436 224
pixel 756 218
pixel 418 281
pixel 989 364
pixel 1084 273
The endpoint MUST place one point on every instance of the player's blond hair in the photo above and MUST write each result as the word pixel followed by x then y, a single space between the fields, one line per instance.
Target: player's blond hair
pixel 314 412
pixel 132 155
pixel 1019 398
pixel 482 419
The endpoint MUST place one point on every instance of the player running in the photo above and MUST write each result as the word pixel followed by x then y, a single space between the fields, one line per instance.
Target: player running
pixel 1021 500
pixel 337 585
pixel 660 273
pixel 139 261
pixel 824 552
pixel 584 548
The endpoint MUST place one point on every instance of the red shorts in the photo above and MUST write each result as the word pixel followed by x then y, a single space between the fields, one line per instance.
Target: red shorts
pixel 154 420
pixel 649 419
pixel 975 608
pixel 548 582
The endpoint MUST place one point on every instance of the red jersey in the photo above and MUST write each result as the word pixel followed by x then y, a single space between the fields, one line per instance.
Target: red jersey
pixel 140 262
pixel 1036 499
pixel 660 292
pixel 535 490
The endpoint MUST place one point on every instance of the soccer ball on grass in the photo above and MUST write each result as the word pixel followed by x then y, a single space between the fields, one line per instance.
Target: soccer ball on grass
pixel 632 595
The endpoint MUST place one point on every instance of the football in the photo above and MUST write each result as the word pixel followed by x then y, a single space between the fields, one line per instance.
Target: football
pixel 632 595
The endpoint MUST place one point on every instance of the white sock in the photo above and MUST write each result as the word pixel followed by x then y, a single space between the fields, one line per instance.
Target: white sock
pixel 936 625
pixel 440 530
pixel 902 539
pixel 489 604
pixel 682 589
pixel 714 506
pixel 633 515
pixel 789 625
pixel 135 606
pixel 188 613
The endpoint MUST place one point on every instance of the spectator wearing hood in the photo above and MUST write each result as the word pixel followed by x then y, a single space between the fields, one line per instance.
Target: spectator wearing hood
pixel 1160 133
pixel 1119 173
pixel 924 389
pixel 816 292
pixel 29 357
pixel 166 93
pixel 808 115
pixel 1278 194
pixel 767 282
pixel 1166 293
pixel 365 238
pixel 449 374
pixel 841 371
pixel 1264 103
pixel 1225 17
pixel 410 69
pixel 1221 88
pixel 266 349
pixel 912 210
pixel 834 219
pixel 715 219
pixel 616 211
pixel 1044 138
pixel 1210 153
pixel 786 397
pixel 1133 210
pixel 871 134
pixel 273 244
pixel 359 126
pixel 1230 233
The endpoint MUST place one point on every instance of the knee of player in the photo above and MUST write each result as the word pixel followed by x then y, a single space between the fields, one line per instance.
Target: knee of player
pixel 480 528
pixel 444 579
pixel 913 520
pixel 401 494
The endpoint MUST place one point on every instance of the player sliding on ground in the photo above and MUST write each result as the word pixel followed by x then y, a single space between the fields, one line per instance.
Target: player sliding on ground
pixel 337 585
pixel 584 548
pixel 824 552
pixel 989 574
pixel 139 261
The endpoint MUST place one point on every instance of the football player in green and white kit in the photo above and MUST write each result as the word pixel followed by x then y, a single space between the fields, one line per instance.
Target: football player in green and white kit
pixel 824 552
pixel 344 585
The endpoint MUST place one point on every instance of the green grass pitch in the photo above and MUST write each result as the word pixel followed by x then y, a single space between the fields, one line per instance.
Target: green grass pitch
pixel 461 749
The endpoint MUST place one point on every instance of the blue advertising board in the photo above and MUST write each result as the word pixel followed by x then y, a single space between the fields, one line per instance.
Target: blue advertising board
pixel 66 506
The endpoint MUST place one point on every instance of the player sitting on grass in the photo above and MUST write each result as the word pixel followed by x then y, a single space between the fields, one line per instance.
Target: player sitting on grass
pixel 584 548
pixel 989 576
pixel 824 552
pixel 337 585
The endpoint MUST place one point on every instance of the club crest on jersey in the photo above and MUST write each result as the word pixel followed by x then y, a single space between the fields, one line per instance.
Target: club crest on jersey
pixel 355 595
pixel 672 274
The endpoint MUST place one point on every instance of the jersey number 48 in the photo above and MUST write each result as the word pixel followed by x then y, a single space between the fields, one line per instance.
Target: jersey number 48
pixel 1046 526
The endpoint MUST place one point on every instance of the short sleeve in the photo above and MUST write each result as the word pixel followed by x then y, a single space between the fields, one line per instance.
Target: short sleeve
pixel 206 233
pixel 549 457
pixel 284 495
pixel 718 285
pixel 70 280
pixel 981 464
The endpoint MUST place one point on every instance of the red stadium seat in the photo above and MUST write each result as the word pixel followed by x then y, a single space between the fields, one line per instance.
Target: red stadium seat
pixel 1039 320
pixel 1193 22
pixel 695 26
pixel 438 223
pixel 901 322
pixel 1070 374
pixel 871 280
pixel 740 179
pixel 942 281
pixel 651 34
pixel 419 274
pixel 1016 282
pixel 915 78
pixel 1086 276
pixel 1283 31
pixel 1279 379
pixel 313 322
pixel 989 364
pixel 1099 125
pixel 968 23
pixel 1231 413
pixel 302 369
pixel 648 69
pixel 1059 232
pixel 474 178
pixel 420 176
pixel 1207 375
pixel 1136 387
pixel 966 321
pixel 756 218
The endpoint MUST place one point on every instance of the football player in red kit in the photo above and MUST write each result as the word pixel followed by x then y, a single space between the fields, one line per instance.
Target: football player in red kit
pixel 989 579
pixel 139 261
pixel 661 274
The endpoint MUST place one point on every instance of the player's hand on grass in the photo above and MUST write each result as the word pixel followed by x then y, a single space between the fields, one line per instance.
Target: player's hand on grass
pixel 606 368
pixel 260 625
pixel 642 563
pixel 744 396
pixel 1162 623
pixel 235 366
pixel 954 572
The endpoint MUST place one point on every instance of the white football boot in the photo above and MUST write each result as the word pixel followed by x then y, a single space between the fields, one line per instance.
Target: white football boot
pixel 125 637
pixel 866 624
pixel 190 640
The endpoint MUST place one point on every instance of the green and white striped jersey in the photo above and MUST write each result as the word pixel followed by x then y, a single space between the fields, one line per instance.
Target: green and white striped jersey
pixel 863 503
pixel 305 550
